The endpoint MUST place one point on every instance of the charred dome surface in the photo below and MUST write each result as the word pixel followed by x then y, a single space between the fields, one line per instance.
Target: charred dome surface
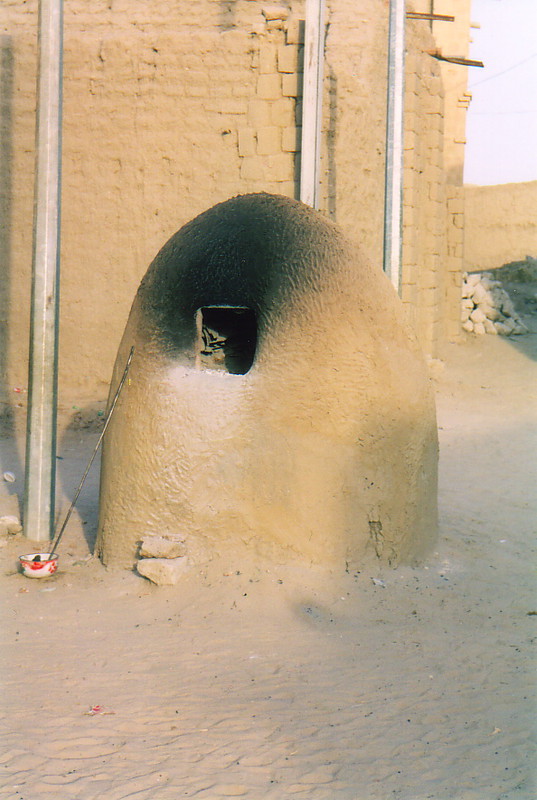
pixel 277 404
pixel 254 252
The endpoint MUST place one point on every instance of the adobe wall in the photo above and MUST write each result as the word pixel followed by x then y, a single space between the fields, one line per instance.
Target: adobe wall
pixel 167 112
pixel 501 224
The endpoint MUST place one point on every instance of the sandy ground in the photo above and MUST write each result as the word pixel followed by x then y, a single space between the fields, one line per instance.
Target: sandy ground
pixel 276 682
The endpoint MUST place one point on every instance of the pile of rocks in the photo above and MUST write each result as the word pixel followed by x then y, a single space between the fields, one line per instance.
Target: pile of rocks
pixel 487 308
pixel 162 560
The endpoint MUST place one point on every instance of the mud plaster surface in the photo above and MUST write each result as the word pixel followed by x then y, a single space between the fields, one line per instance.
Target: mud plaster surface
pixel 290 683
pixel 332 427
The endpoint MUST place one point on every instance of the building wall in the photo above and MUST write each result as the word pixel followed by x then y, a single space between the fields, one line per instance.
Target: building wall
pixel 172 107
pixel 501 224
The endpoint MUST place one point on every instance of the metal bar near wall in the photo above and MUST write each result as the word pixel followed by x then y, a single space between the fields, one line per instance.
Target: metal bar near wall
pixel 393 202
pixel 310 155
pixel 43 363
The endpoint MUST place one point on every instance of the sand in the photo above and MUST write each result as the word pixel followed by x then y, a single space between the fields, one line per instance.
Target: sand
pixel 278 682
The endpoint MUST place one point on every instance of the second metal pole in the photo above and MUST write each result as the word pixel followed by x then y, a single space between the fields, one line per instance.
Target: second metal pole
pixel 310 152
pixel 393 202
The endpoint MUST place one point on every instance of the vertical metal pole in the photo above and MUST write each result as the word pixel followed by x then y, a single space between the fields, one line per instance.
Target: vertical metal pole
pixel 393 198
pixel 43 365
pixel 310 153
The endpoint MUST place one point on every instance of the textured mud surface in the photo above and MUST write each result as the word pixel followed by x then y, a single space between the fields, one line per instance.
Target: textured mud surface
pixel 270 682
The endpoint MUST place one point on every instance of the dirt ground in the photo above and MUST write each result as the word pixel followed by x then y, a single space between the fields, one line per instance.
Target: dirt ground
pixel 275 682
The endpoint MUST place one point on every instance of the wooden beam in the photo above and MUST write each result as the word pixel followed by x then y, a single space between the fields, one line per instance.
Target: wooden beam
pixel 430 17
pixel 465 62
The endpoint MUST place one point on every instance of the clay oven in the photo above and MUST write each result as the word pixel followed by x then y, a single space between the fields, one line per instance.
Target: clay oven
pixel 276 403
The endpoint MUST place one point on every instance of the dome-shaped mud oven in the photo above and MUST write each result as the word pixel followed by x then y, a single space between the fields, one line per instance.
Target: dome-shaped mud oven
pixel 276 405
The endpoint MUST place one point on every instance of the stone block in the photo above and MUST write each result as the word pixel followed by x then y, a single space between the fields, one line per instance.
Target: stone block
pixel 159 547
pixel 456 205
pixel 258 113
pixel 268 141
pixel 226 105
pixel 267 59
pixel 251 169
pixel 196 89
pixel 269 87
pixel 287 188
pixel 294 31
pixel 287 59
pixel 282 112
pixel 246 142
pixel 458 221
pixel 273 12
pixel 241 89
pixel 291 139
pixel 280 167
pixel 412 102
pixel 292 85
pixel 163 571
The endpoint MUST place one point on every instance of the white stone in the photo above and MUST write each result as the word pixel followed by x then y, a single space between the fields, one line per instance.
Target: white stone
pixel 10 524
pixel 468 326
pixel 468 303
pixel 465 314
pixel 489 283
pixel 519 328
pixel 479 294
pixel 479 329
pixel 477 316
pixel 491 312
pixel 498 296
pixel 502 328
pixel 485 308
pixel 474 279
pixel 468 291
pixel 274 12
pixel 489 327
pixel 507 306
pixel 160 547
pixel 163 571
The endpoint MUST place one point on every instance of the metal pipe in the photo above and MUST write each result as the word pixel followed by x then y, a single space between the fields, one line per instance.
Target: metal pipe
pixel 43 363
pixel 393 197
pixel 310 152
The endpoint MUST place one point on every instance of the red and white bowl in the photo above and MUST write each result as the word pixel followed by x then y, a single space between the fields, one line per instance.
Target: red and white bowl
pixel 39 565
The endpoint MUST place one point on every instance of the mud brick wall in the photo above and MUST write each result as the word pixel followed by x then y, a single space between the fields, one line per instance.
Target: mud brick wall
pixel 501 224
pixel 172 107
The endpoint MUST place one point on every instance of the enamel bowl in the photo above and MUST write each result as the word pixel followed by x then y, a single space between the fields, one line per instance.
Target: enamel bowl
pixel 39 565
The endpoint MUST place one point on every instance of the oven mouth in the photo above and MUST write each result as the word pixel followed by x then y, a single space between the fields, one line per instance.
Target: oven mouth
pixel 226 338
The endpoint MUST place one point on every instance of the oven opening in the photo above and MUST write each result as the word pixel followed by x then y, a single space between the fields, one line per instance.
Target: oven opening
pixel 227 338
